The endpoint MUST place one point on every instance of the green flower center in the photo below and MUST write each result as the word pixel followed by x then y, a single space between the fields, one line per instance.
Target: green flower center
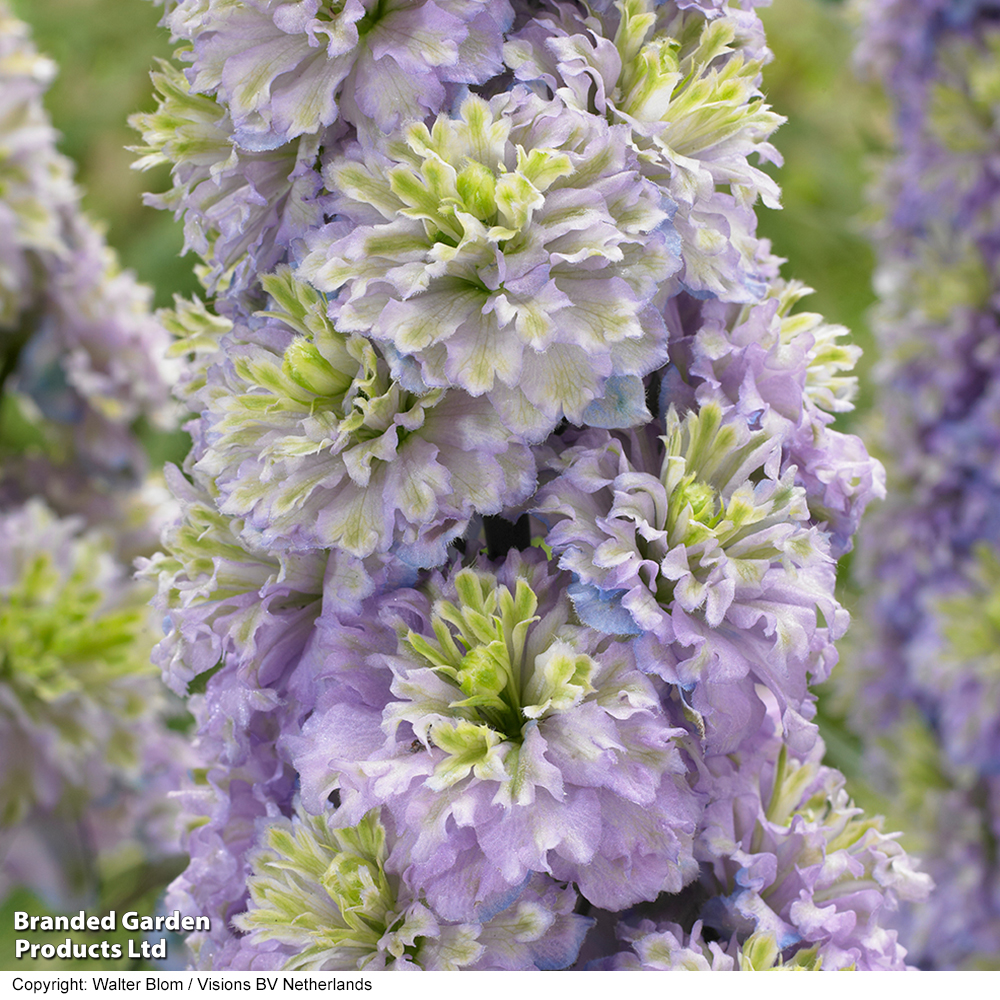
pixel 713 509
pixel 326 892
pixel 452 176
pixel 336 379
pixel 704 459
pixel 678 79
pixel 55 642
pixel 970 620
pixel 480 648
pixel 62 657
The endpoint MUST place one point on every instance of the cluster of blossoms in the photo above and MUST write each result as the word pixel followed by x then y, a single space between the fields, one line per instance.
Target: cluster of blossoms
pixel 87 760
pixel 507 550
pixel 80 352
pixel 927 671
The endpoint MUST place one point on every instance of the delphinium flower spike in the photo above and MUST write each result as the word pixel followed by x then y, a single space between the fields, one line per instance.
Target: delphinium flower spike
pixel 922 674
pixel 87 759
pixel 513 501
pixel 80 353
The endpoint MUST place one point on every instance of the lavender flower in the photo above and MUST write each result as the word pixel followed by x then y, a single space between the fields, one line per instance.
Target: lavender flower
pixel 685 84
pixel 81 711
pixel 316 446
pixel 240 781
pixel 793 876
pixel 797 861
pixel 224 599
pixel 280 67
pixel 242 208
pixel 512 252
pixel 782 371
pixel 703 549
pixel 667 948
pixel 360 914
pixel 522 742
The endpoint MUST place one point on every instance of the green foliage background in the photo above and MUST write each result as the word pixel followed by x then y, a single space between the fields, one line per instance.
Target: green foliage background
pixel 836 131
